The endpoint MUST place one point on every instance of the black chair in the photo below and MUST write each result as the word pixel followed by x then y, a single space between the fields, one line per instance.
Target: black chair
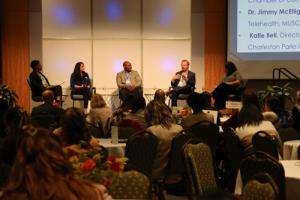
pixel 176 165
pixel 264 142
pixel 141 151
pixel 208 132
pixel 298 151
pixel 232 153
pixel 260 162
pixel 34 97
pixel 201 170
pixel 261 186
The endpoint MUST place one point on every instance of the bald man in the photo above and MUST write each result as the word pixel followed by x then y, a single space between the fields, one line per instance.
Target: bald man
pixel 47 109
pixel 129 82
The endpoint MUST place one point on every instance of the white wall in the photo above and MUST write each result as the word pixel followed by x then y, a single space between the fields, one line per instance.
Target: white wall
pixel 153 40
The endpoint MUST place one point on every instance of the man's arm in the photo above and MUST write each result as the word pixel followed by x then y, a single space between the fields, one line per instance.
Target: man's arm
pixel 175 79
pixel 119 80
pixel 138 80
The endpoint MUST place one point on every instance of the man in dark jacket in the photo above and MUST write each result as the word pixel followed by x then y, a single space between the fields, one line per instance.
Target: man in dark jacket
pixel 47 115
pixel 183 82
pixel 39 82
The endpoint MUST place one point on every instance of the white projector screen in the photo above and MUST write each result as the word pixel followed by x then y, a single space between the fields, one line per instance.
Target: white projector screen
pixel 264 34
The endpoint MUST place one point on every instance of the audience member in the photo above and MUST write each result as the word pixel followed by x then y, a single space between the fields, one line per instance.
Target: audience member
pixel 47 109
pixel 99 112
pixel 81 84
pixel 248 98
pixel 273 110
pixel 162 125
pixel 39 81
pixel 197 102
pixel 206 100
pixel 73 127
pixel 250 121
pixel 231 82
pixel 14 120
pixel 160 95
pixel 183 82
pixel 129 82
pixel 42 171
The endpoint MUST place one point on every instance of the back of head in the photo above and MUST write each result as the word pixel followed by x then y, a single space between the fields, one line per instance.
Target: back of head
pixel 230 68
pixel 34 64
pixel 160 95
pixel 97 101
pixel 41 170
pixel 14 119
pixel 134 103
pixel 249 115
pixel 48 96
pixel 73 125
pixel 250 98
pixel 196 101
pixel 272 103
pixel 158 113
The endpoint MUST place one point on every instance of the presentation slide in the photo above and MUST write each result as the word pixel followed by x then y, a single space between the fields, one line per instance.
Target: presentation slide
pixel 268 26
pixel 263 35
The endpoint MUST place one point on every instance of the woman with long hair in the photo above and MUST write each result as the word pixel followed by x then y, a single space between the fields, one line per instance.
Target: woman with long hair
pixel 250 121
pixel 42 171
pixel 162 125
pixel 230 84
pixel 81 84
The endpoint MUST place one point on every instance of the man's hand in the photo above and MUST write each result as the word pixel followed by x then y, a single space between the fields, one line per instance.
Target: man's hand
pixel 130 88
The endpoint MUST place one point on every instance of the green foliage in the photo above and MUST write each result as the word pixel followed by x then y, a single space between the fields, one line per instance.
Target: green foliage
pixel 282 92
pixel 8 95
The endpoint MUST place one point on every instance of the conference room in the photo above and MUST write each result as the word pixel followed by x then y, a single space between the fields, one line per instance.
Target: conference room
pixel 140 99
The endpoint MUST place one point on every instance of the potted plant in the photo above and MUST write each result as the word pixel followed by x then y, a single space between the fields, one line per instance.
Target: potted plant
pixel 8 95
pixel 283 93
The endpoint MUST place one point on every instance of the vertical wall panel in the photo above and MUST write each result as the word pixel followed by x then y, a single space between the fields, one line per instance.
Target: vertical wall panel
pixel 215 41
pixel 15 48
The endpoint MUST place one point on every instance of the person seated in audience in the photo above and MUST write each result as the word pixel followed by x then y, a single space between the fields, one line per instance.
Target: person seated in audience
pixel 162 124
pixel 250 121
pixel 273 110
pixel 39 81
pixel 129 82
pixel 206 100
pixel 183 82
pixel 197 102
pixel 248 98
pixel 73 128
pixel 137 107
pixel 42 171
pixel 231 82
pixel 129 117
pixel 160 95
pixel 81 84
pixel 99 112
pixel 48 108
pixel 14 119
pixel 296 113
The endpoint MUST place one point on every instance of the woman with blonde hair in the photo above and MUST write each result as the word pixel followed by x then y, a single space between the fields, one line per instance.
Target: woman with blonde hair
pixel 99 112
pixel 162 125
pixel 42 171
